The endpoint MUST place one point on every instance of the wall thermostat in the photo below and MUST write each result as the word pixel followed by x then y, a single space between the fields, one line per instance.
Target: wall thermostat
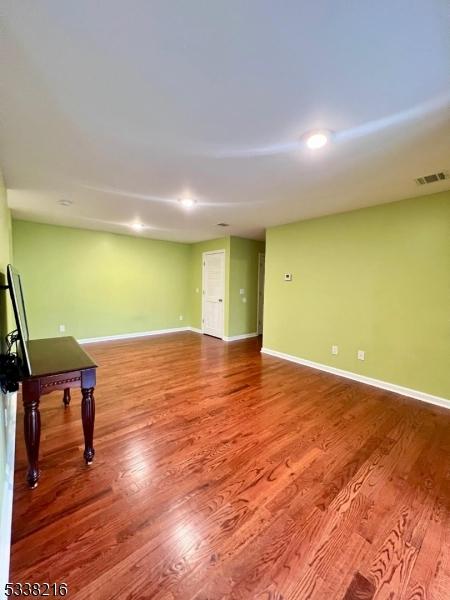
pixel 288 276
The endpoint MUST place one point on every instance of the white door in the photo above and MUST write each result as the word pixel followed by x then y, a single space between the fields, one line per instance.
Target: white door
pixel 261 275
pixel 213 293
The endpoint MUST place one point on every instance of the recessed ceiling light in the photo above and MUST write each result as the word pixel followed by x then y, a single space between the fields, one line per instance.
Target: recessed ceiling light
pixel 137 226
pixel 65 202
pixel 317 139
pixel 187 202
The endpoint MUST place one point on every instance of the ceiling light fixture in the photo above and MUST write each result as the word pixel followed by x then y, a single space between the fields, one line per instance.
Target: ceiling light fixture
pixel 137 226
pixel 317 139
pixel 65 202
pixel 187 202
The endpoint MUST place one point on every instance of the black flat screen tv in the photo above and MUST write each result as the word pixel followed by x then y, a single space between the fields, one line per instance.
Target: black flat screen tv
pixel 20 314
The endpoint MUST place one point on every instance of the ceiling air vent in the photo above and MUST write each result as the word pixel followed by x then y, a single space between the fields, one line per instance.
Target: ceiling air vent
pixel 432 178
pixel 223 225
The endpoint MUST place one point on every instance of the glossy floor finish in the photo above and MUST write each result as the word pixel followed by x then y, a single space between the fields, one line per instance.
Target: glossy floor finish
pixel 222 473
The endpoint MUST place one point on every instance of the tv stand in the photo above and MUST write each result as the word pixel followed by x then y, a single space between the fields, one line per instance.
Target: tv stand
pixel 57 364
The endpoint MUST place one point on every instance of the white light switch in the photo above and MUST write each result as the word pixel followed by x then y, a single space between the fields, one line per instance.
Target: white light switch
pixel 288 276
pixel 361 355
pixel 242 291
pixel 181 317
pixel 62 329
pixel 334 350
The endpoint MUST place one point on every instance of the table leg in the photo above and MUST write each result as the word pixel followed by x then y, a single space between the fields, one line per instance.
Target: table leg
pixel 66 398
pixel 32 429
pixel 88 418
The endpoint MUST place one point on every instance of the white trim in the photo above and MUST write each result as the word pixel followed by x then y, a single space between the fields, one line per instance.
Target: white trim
pixel 6 494
pixel 221 251
pixel 139 334
pixel 234 338
pixel 127 336
pixel 195 329
pixel 384 385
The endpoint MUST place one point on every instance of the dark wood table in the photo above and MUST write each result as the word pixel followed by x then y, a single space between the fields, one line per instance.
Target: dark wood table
pixel 57 364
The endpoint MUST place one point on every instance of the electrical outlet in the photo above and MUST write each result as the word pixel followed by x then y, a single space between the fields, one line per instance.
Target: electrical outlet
pixel 181 317
pixel 242 291
pixel 62 329
pixel 361 355
pixel 334 350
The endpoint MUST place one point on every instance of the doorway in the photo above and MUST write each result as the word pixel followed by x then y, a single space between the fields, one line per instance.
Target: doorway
pixel 213 288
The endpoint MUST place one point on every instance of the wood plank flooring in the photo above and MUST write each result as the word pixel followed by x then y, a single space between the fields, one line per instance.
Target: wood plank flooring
pixel 221 473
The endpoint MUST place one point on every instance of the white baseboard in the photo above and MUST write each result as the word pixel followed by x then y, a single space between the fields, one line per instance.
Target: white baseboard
pixel 385 385
pixel 244 336
pixel 126 336
pixel 8 405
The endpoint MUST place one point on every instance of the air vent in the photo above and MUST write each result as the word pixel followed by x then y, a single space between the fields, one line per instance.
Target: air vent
pixel 223 225
pixel 432 178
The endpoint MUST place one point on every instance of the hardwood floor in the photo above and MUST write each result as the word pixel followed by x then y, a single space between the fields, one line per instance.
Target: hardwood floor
pixel 222 473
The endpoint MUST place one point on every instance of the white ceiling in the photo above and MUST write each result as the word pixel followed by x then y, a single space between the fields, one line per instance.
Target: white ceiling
pixel 121 107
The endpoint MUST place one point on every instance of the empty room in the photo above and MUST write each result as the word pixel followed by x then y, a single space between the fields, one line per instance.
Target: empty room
pixel 225 299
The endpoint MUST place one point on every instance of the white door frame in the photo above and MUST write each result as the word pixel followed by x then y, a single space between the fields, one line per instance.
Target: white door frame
pixel 261 256
pixel 204 254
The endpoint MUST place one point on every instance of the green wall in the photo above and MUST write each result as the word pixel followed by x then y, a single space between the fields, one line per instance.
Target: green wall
pixel 243 275
pixel 375 279
pixel 99 284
